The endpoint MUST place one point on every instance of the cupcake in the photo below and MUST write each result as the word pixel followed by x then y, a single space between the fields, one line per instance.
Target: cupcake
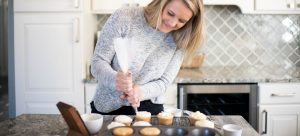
pixel 114 124
pixel 165 118
pixel 196 116
pixel 204 123
pixel 123 131
pixel 141 123
pixel 150 131
pixel 143 116
pixel 123 119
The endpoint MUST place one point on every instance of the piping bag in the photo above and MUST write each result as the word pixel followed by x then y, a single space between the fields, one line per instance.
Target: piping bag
pixel 121 46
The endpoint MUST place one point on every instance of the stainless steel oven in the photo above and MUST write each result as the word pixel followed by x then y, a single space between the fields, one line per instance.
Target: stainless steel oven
pixel 220 99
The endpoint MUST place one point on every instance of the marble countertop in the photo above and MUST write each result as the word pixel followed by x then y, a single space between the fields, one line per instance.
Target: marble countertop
pixel 254 74
pixel 45 124
pixel 239 75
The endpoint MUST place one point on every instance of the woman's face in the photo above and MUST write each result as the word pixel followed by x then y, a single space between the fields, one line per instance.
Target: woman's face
pixel 174 16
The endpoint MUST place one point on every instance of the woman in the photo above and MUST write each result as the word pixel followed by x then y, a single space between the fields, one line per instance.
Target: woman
pixel 164 31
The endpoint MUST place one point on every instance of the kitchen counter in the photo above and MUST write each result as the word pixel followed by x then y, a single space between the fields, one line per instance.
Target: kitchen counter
pixel 36 124
pixel 239 75
pixel 264 74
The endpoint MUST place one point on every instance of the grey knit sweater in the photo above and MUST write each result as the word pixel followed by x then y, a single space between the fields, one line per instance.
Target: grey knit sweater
pixel 155 63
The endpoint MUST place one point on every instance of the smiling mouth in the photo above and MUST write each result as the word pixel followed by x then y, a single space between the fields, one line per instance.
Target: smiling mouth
pixel 167 26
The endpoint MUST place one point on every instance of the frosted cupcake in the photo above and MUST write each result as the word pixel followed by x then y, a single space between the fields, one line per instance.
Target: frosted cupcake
pixel 115 124
pixel 196 116
pixel 143 116
pixel 123 119
pixel 165 118
pixel 204 123
pixel 141 123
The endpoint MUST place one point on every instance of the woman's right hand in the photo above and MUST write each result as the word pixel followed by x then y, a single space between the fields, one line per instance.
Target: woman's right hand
pixel 124 83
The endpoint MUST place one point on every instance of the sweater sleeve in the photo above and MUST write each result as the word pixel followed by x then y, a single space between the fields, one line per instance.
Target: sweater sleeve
pixel 104 52
pixel 158 87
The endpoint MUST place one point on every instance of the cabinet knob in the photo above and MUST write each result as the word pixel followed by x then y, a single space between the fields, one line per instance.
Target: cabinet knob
pixel 288 5
pixel 298 5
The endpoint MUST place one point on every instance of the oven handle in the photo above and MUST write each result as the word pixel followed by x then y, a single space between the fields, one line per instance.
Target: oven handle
pixel 266 120
pixel 181 97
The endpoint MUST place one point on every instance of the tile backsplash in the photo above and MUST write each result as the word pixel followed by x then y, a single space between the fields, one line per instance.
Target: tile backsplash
pixel 236 39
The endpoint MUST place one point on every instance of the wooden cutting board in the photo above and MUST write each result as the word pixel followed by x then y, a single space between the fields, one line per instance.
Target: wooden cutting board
pixel 73 120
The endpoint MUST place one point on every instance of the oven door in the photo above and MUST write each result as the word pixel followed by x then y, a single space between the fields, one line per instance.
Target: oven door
pixel 220 99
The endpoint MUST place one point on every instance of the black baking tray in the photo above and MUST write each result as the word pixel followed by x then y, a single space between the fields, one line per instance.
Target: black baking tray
pixel 180 127
pixel 177 131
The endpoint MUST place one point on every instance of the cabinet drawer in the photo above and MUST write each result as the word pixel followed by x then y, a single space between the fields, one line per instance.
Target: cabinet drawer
pixel 288 93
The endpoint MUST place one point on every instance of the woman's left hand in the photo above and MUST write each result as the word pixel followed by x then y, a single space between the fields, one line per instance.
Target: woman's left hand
pixel 135 97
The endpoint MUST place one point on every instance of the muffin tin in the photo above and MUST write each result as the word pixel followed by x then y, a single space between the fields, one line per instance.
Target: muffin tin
pixel 180 127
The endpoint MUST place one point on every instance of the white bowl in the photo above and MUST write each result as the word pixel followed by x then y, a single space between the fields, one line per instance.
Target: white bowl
pixel 232 130
pixel 93 122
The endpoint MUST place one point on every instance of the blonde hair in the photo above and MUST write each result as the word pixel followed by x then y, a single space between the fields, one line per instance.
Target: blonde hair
pixel 190 36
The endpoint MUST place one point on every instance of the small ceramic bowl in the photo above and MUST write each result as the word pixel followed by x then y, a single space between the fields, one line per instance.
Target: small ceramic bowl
pixel 93 122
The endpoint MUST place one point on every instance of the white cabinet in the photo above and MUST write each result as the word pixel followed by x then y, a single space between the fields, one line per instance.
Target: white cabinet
pixel 89 92
pixel 107 7
pixel 47 5
pixel 246 6
pixel 142 3
pixel 279 109
pixel 278 6
pixel 49 56
pixel 279 120
pixel 171 96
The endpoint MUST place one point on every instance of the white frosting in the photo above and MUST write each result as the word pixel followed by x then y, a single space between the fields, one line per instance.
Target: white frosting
pixel 205 123
pixel 198 115
pixel 123 119
pixel 143 114
pixel 141 123
pixel 165 114
pixel 114 124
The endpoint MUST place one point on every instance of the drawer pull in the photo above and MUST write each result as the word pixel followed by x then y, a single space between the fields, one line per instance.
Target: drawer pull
pixel 283 94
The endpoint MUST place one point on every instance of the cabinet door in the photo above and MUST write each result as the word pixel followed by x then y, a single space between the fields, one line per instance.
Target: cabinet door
pixel 275 5
pixel 48 62
pixel 48 5
pixel 90 90
pixel 279 120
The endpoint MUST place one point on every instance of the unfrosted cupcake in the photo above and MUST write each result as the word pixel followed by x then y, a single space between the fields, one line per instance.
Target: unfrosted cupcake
pixel 123 131
pixel 205 123
pixel 123 119
pixel 165 118
pixel 143 116
pixel 196 116
pixel 150 131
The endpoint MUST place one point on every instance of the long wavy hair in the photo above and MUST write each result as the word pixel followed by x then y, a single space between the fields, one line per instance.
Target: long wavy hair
pixel 190 36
